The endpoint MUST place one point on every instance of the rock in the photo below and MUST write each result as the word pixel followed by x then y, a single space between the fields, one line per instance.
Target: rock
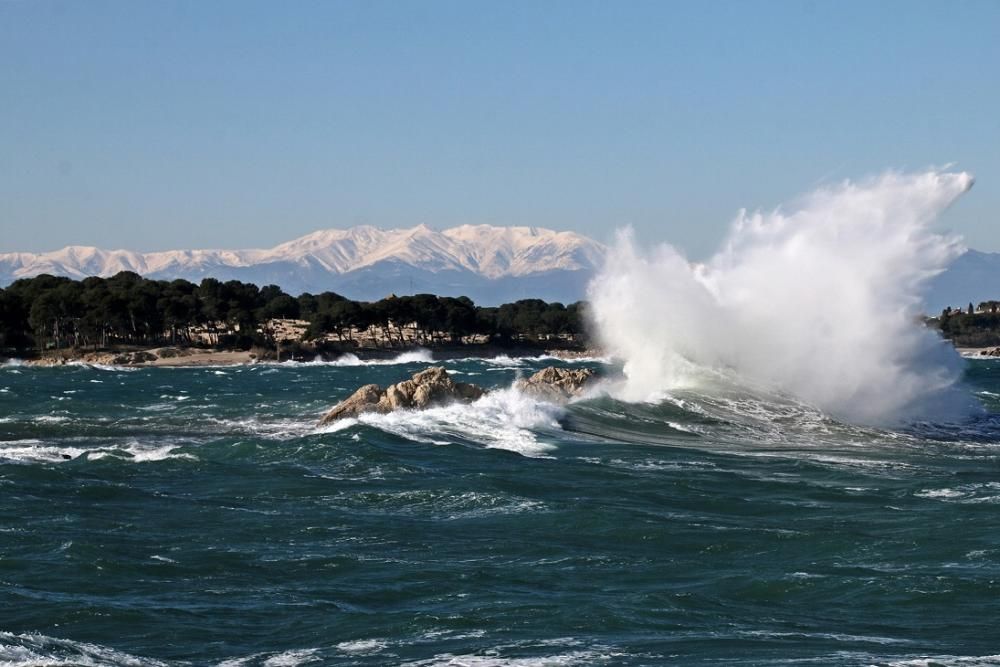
pixel 433 386
pixel 365 399
pixel 425 389
pixel 557 385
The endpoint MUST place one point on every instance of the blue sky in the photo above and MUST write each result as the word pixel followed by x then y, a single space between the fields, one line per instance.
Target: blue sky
pixel 156 125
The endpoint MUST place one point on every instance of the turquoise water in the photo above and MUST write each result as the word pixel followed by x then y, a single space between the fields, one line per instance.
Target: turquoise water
pixel 197 516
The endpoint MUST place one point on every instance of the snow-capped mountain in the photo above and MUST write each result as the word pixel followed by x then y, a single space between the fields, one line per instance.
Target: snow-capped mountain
pixel 489 264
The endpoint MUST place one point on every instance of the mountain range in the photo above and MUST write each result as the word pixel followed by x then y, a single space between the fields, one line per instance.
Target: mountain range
pixel 486 263
pixel 489 264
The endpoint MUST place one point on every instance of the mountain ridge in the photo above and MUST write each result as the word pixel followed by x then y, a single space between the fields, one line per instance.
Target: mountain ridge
pixel 489 264
pixel 362 262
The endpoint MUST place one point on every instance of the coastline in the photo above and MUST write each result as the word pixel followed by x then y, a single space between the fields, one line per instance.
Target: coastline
pixel 990 352
pixel 182 357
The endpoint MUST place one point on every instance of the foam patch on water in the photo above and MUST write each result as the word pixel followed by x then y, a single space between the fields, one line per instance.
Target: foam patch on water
pixel 946 661
pixel 108 368
pixel 502 419
pixel 37 451
pixel 291 658
pixel 488 659
pixel 348 360
pixel 35 650
pixel 362 646
pixel 967 494
pixel 277 429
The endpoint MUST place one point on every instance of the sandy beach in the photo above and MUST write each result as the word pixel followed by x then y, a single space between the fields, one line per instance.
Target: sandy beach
pixel 160 357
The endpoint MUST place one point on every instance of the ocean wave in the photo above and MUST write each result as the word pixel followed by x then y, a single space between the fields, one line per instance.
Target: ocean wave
pixel 33 650
pixel 441 504
pixel 362 646
pixel 37 451
pixel 945 661
pixel 495 659
pixel 348 360
pixel 508 361
pixel 291 658
pixel 967 494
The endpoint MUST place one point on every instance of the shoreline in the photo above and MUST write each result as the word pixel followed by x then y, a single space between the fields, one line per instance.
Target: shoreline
pixel 990 352
pixel 186 357
pixel 178 357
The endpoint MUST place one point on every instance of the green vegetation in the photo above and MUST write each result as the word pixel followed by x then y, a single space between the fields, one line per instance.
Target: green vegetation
pixel 47 312
pixel 973 327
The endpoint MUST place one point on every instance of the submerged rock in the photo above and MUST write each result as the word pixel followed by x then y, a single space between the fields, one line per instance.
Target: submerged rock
pixel 425 389
pixel 557 385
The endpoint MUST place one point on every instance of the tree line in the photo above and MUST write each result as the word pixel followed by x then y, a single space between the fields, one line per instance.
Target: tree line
pixel 49 312
pixel 971 327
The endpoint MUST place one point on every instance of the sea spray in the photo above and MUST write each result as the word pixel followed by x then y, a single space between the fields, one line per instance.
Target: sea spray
pixel 822 301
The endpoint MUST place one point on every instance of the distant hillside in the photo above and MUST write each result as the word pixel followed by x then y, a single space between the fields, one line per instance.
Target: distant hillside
pixel 488 264
pixel 974 277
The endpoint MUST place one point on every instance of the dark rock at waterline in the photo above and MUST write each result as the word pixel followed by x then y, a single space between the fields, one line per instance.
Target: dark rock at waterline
pixel 433 386
pixel 425 389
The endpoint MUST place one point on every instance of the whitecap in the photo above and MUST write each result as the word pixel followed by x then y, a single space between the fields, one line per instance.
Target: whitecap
pixel 946 661
pixel 349 359
pixel 292 658
pixel 30 650
pixel 162 559
pixel 362 646
pixel 493 659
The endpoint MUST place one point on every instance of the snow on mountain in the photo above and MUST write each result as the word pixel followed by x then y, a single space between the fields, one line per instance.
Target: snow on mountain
pixel 487 263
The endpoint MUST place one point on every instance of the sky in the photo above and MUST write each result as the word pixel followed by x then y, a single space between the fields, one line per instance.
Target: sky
pixel 159 125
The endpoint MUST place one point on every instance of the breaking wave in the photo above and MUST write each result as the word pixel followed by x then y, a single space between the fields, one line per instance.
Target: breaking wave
pixel 821 301
pixel 418 356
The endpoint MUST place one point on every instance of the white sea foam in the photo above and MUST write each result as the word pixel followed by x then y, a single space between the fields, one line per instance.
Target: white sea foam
pixel 502 419
pixel 284 659
pixel 362 646
pixel 967 494
pixel 108 368
pixel 37 451
pixel 945 661
pixel 821 302
pixel 418 356
pixel 292 658
pixel 35 650
pixel 585 657
pixel 162 559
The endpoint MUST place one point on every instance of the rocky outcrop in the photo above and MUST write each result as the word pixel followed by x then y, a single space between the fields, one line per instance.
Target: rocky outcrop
pixel 433 386
pixel 425 389
pixel 557 385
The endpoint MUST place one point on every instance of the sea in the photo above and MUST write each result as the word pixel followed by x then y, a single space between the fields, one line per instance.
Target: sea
pixel 199 516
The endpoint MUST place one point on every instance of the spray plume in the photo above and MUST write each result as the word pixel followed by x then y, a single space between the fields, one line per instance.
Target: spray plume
pixel 822 302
